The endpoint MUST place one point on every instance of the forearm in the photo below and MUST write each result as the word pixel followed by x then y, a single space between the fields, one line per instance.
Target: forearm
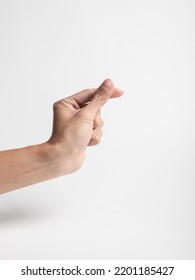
pixel 77 124
pixel 30 165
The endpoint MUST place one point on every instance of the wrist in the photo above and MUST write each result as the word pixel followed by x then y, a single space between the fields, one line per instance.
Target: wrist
pixel 62 160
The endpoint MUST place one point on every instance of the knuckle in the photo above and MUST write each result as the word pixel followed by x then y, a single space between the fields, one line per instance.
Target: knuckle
pixel 85 89
pixel 55 105
pixel 97 139
pixel 99 96
pixel 95 123
pixel 99 123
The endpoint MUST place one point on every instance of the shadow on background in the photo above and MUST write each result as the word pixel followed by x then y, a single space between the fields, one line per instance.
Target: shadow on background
pixel 21 215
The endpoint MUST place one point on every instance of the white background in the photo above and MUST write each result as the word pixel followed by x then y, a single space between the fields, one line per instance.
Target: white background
pixel 134 196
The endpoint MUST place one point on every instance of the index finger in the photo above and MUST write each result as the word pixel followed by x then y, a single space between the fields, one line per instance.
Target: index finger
pixel 87 95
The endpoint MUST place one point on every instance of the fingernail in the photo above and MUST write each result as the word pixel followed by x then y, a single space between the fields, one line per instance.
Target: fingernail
pixel 107 83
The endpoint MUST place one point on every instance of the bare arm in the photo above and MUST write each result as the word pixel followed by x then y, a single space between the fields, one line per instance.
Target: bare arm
pixel 27 166
pixel 77 124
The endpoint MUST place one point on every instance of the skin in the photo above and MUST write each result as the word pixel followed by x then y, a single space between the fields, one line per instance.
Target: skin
pixel 77 123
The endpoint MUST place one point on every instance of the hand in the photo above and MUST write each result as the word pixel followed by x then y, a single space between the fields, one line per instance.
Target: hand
pixel 77 123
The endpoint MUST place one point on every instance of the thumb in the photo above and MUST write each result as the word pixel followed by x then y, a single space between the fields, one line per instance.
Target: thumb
pixel 101 96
